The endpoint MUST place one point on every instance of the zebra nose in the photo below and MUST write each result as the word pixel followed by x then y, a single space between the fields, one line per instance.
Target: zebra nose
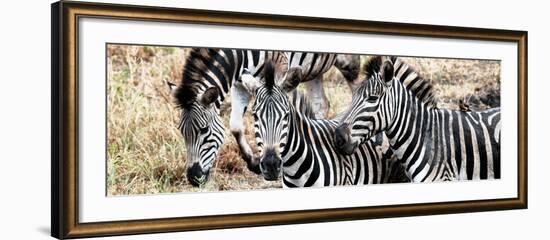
pixel 341 137
pixel 196 176
pixel 271 167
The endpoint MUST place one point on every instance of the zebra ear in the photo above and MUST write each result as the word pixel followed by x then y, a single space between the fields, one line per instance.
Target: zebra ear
pixel 250 83
pixel 292 79
pixel 209 96
pixel 387 72
pixel 172 87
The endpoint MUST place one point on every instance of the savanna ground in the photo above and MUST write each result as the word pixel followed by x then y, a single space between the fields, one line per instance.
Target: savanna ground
pixel 146 153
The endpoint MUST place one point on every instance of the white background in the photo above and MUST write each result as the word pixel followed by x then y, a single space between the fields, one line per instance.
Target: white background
pixel 25 121
pixel 95 206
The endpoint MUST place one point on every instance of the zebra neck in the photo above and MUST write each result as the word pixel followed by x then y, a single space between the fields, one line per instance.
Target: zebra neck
pixel 296 146
pixel 411 131
pixel 309 158
pixel 308 155
pixel 403 116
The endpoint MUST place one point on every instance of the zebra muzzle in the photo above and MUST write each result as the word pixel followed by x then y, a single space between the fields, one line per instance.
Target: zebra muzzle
pixel 271 165
pixel 343 141
pixel 196 176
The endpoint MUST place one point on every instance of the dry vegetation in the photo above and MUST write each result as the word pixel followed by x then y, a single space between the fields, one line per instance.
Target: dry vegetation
pixel 474 82
pixel 146 154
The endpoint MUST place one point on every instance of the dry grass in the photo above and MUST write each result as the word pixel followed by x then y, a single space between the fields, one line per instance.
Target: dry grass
pixel 145 151
pixel 474 82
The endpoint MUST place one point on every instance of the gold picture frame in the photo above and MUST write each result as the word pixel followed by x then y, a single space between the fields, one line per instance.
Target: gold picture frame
pixel 65 113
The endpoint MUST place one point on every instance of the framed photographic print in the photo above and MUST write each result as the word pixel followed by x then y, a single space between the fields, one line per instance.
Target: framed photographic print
pixel 169 119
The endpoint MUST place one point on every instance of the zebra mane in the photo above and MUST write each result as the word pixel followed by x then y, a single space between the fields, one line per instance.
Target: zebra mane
pixel 373 66
pixel 197 61
pixel 185 96
pixel 407 75
pixel 269 75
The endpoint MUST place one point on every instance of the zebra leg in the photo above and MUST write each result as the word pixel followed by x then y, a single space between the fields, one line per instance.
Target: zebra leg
pixel 316 94
pixel 239 101
pixel 349 65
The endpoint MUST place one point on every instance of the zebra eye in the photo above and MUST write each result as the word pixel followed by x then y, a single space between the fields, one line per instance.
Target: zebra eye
pixel 203 130
pixel 285 118
pixel 371 99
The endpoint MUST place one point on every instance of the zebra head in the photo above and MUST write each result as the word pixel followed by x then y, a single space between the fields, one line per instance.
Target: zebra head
pixel 366 116
pixel 272 115
pixel 202 130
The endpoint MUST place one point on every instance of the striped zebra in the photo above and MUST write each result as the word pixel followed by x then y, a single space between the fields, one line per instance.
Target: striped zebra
pixel 208 76
pixel 313 66
pixel 432 144
pixel 292 142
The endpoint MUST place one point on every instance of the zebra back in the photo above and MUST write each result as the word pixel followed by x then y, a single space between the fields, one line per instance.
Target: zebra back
pixel 220 68
pixel 313 64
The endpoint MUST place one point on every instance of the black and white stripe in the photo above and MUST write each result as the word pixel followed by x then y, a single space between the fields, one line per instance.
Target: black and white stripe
pixel 221 70
pixel 213 71
pixel 433 144
pixel 313 65
pixel 288 136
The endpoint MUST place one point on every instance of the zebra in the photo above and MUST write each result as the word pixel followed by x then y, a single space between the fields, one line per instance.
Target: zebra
pixel 313 66
pixel 432 144
pixel 292 142
pixel 208 76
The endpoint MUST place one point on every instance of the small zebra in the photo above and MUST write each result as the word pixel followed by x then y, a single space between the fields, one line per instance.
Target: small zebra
pixel 208 76
pixel 433 144
pixel 290 140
